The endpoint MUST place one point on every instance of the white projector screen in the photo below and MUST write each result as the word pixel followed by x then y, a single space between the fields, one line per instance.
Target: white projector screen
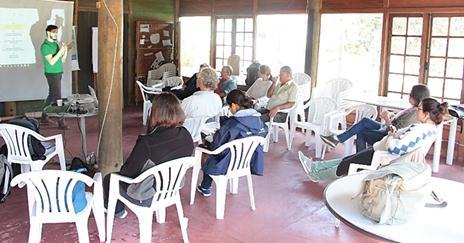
pixel 22 31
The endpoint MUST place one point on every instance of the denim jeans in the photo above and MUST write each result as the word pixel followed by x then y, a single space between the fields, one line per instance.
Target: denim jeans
pixel 366 131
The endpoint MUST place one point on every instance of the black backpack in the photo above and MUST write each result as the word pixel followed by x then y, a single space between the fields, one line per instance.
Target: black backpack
pixel 35 146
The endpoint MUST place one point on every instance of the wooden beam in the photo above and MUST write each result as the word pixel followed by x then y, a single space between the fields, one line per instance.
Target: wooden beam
pixel 314 11
pixel 110 39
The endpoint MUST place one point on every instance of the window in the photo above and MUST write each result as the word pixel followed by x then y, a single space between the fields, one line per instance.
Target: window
pixel 350 46
pixel 194 44
pixel 437 62
pixel 281 40
pixel 234 35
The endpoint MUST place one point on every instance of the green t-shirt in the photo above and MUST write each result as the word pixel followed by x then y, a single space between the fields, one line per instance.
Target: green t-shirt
pixel 52 48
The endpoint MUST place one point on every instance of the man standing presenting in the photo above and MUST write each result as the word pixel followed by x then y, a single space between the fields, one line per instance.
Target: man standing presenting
pixel 53 56
pixel 282 96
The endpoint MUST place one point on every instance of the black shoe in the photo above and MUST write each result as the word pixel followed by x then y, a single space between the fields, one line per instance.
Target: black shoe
pixel 330 140
pixel 203 191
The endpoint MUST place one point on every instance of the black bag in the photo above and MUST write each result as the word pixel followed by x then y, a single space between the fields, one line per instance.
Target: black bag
pixel 35 146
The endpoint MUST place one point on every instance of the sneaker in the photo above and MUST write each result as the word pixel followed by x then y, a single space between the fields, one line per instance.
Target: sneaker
pixel 121 214
pixel 203 191
pixel 306 163
pixel 330 140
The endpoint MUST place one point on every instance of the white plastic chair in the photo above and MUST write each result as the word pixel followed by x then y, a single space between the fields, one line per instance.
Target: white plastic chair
pixel 241 151
pixel 195 126
pixel 318 107
pixel 146 102
pixel 301 78
pixel 17 140
pixel 302 103
pixel 361 111
pixel 167 183
pixel 49 194
pixel 274 128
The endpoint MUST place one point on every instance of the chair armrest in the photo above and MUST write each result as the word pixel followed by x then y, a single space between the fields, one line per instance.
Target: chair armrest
pixel 98 184
pixel 122 178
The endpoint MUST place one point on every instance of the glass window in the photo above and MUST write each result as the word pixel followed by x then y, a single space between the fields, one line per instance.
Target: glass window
pixel 281 40
pixel 350 46
pixel 194 43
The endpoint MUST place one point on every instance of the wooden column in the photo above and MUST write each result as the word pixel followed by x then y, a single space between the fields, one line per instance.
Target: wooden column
pixel 314 32
pixel 110 39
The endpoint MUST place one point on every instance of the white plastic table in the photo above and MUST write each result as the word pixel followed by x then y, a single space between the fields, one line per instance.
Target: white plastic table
pixel 430 224
pixel 392 103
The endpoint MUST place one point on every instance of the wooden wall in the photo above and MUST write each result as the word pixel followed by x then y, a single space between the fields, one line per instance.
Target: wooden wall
pixel 380 5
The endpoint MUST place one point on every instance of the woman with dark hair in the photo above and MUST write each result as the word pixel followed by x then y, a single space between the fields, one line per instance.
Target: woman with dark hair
pixel 370 131
pixel 166 140
pixel 244 122
pixel 421 135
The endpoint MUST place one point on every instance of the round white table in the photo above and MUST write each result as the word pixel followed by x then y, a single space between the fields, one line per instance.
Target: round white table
pixel 429 225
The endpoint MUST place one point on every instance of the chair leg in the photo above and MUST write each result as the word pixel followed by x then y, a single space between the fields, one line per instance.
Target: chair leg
pixel 35 231
pixel 324 150
pixel 6 181
pixel 144 115
pixel 318 144
pixel 308 138
pixel 99 220
pixel 82 231
pixel 183 221
pixel 287 139
pixel 145 227
pixel 234 185
pixel 268 139
pixel 276 134
pixel 161 216
pixel 195 172
pixel 250 191
pixel 221 188
pixel 114 191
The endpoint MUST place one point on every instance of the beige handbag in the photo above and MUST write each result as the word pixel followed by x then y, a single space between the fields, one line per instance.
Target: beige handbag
pixel 395 193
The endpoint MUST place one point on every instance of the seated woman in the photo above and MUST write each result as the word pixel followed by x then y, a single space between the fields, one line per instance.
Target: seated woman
pixel 244 122
pixel 262 84
pixel 429 113
pixel 370 131
pixel 226 83
pixel 166 140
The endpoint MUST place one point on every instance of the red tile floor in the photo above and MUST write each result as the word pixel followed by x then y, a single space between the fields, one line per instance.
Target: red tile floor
pixel 289 208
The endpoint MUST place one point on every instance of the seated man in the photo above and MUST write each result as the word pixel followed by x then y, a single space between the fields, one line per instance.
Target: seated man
pixel 190 86
pixel 203 102
pixel 282 96
pixel 226 84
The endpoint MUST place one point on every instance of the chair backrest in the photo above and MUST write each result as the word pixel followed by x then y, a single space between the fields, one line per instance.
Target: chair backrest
pixel 144 90
pixel 158 73
pixel 304 93
pixel 195 125
pixel 301 78
pixel 167 179
pixel 234 62
pixel 319 107
pixel 173 81
pixel 364 111
pixel 241 151
pixel 51 192
pixel 335 89
pixel 17 142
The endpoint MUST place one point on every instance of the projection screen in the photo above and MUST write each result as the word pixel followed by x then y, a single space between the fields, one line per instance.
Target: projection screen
pixel 22 31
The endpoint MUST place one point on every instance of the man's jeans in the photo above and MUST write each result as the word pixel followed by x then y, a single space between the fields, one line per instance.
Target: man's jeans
pixel 366 131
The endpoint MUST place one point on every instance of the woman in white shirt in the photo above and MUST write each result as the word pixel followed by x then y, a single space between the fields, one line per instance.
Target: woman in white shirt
pixel 262 84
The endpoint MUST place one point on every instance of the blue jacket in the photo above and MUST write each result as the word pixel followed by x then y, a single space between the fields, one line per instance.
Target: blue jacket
pixel 245 123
